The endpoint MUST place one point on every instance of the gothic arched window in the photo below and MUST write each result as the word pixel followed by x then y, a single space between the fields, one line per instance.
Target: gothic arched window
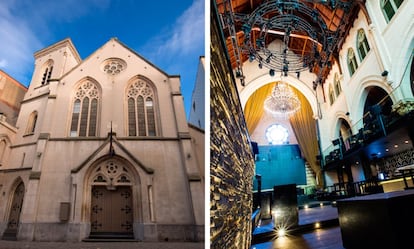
pixel 141 109
pixel 352 63
pixel 362 44
pixel 85 110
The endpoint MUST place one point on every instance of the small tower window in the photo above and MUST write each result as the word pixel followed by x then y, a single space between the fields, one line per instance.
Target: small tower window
pixel 48 68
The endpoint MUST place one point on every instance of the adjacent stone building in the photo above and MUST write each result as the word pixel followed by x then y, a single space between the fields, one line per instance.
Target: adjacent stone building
pixel 101 149
pixel 11 94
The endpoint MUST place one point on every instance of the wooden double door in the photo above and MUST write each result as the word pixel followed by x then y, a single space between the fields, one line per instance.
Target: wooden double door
pixel 111 211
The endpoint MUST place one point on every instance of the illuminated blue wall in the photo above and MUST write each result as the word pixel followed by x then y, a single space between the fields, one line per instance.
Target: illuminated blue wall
pixel 280 165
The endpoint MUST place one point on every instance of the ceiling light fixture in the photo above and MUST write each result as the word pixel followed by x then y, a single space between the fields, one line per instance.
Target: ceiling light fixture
pixel 282 20
pixel 282 102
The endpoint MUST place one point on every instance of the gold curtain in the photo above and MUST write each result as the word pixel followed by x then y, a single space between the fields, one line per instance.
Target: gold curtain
pixel 254 110
pixel 304 127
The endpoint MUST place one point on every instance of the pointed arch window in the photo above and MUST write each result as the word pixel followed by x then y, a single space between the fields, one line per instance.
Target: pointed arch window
pixel 390 7
pixel 31 124
pixel 352 63
pixel 47 72
pixel 362 44
pixel 141 109
pixel 337 85
pixel 85 111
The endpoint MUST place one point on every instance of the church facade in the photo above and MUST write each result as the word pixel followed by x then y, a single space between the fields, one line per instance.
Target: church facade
pixel 101 149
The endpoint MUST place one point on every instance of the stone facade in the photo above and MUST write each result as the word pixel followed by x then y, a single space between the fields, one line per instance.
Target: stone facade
pixel 11 94
pixel 97 136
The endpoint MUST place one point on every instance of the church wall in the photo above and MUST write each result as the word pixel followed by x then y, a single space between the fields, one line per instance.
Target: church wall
pixel 30 105
pixel 198 182
pixel 369 70
pixel 114 88
pixel 170 192
pixel 167 184
pixel 198 145
pixel 394 39
pixel 8 180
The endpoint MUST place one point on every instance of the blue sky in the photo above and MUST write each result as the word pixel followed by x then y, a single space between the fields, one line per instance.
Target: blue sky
pixel 170 34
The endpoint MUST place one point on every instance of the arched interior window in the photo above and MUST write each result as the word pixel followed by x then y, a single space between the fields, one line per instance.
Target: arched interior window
pixel 47 72
pixel 277 134
pixel 337 85
pixel 362 44
pixel 85 111
pixel 352 63
pixel 331 95
pixel 141 109
pixel 31 124
pixel 390 7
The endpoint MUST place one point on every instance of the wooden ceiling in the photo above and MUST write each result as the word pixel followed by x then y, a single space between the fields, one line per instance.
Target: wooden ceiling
pixel 338 22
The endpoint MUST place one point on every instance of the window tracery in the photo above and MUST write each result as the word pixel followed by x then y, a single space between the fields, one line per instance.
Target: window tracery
pixel 85 110
pixel 141 109
pixel 111 173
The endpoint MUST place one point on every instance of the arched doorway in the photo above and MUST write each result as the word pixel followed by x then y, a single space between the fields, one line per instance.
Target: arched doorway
pixel 14 213
pixel 112 200
pixel 377 106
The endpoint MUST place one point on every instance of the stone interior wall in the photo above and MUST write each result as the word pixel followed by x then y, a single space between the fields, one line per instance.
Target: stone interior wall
pixel 232 162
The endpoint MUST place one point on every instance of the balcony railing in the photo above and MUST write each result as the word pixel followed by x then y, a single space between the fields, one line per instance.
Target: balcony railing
pixel 375 124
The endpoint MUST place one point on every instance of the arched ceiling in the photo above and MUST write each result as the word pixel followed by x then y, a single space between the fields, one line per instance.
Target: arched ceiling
pixel 335 16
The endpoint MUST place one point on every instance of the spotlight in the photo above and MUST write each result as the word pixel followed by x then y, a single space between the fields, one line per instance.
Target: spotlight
pixel 260 65
pixel 272 72
pixel 252 57
pixel 281 232
pixel 268 58
pixel 238 74
pixel 298 74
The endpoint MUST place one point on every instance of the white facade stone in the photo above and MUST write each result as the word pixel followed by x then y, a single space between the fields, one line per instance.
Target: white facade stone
pixel 160 170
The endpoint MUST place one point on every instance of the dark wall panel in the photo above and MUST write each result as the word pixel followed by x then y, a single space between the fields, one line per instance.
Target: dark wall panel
pixel 231 158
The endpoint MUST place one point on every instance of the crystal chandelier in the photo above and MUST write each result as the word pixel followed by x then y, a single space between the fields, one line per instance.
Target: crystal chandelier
pixel 283 102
